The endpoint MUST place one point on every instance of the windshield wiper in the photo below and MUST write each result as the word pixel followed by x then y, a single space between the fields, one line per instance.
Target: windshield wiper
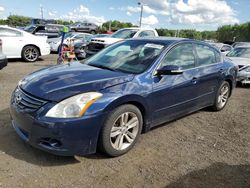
pixel 102 67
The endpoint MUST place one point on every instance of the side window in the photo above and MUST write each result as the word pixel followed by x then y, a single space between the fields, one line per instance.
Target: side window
pixel 206 55
pixel 40 29
pixel 5 32
pixel 146 34
pixel 181 56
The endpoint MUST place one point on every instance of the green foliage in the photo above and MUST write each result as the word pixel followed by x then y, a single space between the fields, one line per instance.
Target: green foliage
pixel 235 32
pixel 115 25
pixel 15 20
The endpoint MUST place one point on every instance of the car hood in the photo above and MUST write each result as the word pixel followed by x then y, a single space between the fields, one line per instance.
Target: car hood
pixel 240 60
pixel 59 82
pixel 106 40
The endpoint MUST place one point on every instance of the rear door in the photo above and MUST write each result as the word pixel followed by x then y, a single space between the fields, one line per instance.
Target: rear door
pixel 175 95
pixel 210 73
pixel 12 42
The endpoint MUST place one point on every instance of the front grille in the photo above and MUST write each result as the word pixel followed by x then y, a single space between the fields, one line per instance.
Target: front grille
pixel 26 102
pixel 95 47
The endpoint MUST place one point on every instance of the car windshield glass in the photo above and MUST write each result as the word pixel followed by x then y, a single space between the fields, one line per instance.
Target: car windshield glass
pixel 240 52
pixel 29 28
pixel 127 56
pixel 124 33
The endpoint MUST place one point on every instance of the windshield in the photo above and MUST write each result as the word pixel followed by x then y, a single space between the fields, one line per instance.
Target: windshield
pixel 127 56
pixel 124 33
pixel 240 52
pixel 29 28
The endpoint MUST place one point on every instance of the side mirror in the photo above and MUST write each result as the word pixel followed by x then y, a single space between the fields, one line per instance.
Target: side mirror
pixel 169 70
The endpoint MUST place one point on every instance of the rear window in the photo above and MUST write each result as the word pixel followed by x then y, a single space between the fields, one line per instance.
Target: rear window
pixel 206 55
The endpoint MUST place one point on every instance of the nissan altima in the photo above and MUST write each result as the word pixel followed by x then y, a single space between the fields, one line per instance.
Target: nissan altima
pixel 108 100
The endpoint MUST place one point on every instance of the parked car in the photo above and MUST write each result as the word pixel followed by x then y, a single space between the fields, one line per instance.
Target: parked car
pixel 77 37
pixel 3 58
pixel 98 44
pixel 240 44
pixel 84 27
pixel 20 44
pixel 49 30
pixel 241 57
pixel 111 97
pixel 80 47
pixel 223 48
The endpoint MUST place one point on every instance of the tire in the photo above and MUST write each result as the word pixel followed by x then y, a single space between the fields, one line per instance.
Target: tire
pixel 93 32
pixel 222 96
pixel 30 53
pixel 124 135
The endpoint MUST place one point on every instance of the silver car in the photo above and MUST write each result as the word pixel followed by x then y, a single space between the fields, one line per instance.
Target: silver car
pixel 55 42
pixel 241 57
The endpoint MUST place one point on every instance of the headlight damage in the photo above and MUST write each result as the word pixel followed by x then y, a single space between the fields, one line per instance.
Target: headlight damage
pixel 73 107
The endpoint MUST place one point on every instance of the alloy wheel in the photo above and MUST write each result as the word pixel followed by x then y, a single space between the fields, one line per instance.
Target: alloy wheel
pixel 30 54
pixel 223 96
pixel 124 131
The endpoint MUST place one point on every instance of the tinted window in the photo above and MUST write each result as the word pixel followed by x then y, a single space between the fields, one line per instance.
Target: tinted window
pixel 181 56
pixel 5 32
pixel 147 34
pixel 127 56
pixel 206 55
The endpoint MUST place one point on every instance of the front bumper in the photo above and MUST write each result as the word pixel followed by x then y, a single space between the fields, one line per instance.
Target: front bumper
pixel 60 137
pixel 243 77
pixel 3 62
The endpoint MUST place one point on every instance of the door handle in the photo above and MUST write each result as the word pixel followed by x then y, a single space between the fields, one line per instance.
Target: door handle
pixel 194 80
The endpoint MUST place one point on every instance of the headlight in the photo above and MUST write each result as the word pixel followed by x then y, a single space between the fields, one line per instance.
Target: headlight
pixel 74 106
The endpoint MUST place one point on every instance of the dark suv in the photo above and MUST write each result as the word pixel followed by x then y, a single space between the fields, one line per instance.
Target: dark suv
pixel 49 30
pixel 84 27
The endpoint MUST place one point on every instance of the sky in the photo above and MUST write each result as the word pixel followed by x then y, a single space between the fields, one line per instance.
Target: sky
pixel 170 14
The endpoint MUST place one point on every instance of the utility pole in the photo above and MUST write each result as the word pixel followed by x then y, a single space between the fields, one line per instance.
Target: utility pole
pixel 41 11
pixel 141 5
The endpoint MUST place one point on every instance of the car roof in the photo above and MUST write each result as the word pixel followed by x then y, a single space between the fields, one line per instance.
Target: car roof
pixel 165 40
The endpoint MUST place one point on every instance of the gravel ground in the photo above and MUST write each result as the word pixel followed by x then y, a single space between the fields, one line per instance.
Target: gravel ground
pixel 205 149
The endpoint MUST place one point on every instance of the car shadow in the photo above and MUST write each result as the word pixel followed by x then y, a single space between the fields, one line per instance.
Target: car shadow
pixel 218 175
pixel 12 145
pixel 15 60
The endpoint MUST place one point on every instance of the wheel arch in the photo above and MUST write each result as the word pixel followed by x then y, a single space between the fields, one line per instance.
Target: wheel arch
pixel 33 46
pixel 231 83
pixel 135 100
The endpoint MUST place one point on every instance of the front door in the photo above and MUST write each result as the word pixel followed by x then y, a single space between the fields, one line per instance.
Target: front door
pixel 175 95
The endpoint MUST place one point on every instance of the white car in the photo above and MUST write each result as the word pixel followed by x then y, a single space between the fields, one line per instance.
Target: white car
pixel 20 44
pixel 77 37
pixel 97 44
pixel 3 59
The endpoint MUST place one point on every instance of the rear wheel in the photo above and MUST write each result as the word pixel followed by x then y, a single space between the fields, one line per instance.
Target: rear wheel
pixel 121 130
pixel 30 53
pixel 222 96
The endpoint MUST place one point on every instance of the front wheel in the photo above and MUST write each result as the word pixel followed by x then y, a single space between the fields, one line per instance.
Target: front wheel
pixel 30 53
pixel 121 130
pixel 222 96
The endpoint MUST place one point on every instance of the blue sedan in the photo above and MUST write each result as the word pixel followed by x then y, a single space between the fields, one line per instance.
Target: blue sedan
pixel 108 100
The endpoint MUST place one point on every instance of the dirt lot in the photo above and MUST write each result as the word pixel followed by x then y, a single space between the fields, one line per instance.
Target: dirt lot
pixel 205 149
